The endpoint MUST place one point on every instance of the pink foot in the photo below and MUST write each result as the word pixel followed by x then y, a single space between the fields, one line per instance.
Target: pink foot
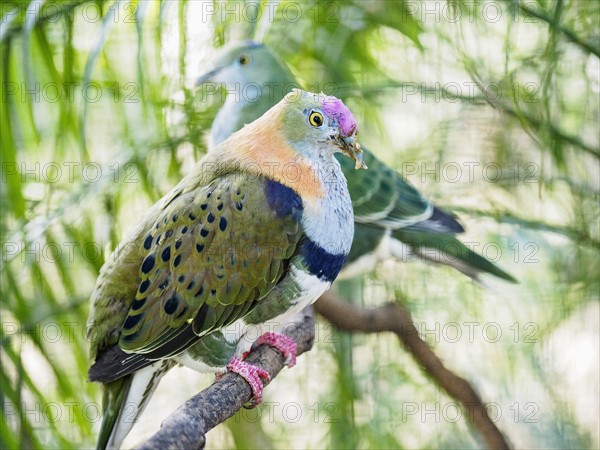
pixel 252 375
pixel 281 342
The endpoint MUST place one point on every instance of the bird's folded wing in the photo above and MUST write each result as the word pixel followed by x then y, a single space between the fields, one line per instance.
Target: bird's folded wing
pixel 382 197
pixel 211 255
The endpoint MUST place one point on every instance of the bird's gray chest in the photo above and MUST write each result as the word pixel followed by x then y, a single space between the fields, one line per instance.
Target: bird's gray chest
pixel 332 225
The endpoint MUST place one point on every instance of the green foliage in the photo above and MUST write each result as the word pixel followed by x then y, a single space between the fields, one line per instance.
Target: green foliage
pixel 99 118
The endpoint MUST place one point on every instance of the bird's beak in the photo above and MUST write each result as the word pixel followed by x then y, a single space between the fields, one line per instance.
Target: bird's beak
pixel 207 77
pixel 351 148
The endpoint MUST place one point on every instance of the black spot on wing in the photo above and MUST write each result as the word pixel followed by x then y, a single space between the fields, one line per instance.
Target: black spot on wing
pixel 138 304
pixel 144 286
pixel 222 223
pixel 171 304
pixel 148 263
pixel 132 321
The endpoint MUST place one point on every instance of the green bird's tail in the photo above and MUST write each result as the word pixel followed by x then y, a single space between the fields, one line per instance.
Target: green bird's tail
pixel 446 249
pixel 113 401
pixel 124 401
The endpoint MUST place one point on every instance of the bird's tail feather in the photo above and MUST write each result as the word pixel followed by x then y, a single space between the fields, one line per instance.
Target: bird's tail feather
pixel 113 400
pixel 444 248
pixel 124 401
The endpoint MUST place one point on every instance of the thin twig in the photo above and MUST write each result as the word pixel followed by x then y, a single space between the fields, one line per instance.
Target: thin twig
pixel 577 235
pixel 394 318
pixel 569 34
pixel 55 10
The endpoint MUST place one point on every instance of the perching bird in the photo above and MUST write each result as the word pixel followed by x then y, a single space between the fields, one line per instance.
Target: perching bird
pixel 257 231
pixel 391 217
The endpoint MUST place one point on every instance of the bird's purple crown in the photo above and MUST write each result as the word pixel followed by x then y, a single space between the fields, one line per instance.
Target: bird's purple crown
pixel 335 109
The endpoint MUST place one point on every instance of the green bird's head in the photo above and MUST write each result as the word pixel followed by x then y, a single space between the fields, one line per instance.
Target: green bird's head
pixel 254 79
pixel 316 121
pixel 241 65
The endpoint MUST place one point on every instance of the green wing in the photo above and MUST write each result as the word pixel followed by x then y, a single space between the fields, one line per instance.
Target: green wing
pixel 211 254
pixel 380 196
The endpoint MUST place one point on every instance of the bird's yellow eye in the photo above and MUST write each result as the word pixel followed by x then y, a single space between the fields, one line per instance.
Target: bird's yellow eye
pixel 315 119
pixel 244 60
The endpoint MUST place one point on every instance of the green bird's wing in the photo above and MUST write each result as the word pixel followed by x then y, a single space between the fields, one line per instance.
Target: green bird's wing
pixel 205 259
pixel 211 255
pixel 382 198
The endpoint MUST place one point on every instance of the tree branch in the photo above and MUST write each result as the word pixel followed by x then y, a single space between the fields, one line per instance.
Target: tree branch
pixel 188 425
pixel 394 318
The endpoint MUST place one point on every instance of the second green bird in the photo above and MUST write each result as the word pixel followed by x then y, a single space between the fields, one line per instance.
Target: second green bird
pixel 391 217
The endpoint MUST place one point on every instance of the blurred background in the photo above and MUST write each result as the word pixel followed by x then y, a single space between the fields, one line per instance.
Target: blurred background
pixel 490 108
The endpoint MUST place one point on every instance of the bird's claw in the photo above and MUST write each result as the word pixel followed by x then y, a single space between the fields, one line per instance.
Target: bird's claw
pixel 253 375
pixel 281 342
